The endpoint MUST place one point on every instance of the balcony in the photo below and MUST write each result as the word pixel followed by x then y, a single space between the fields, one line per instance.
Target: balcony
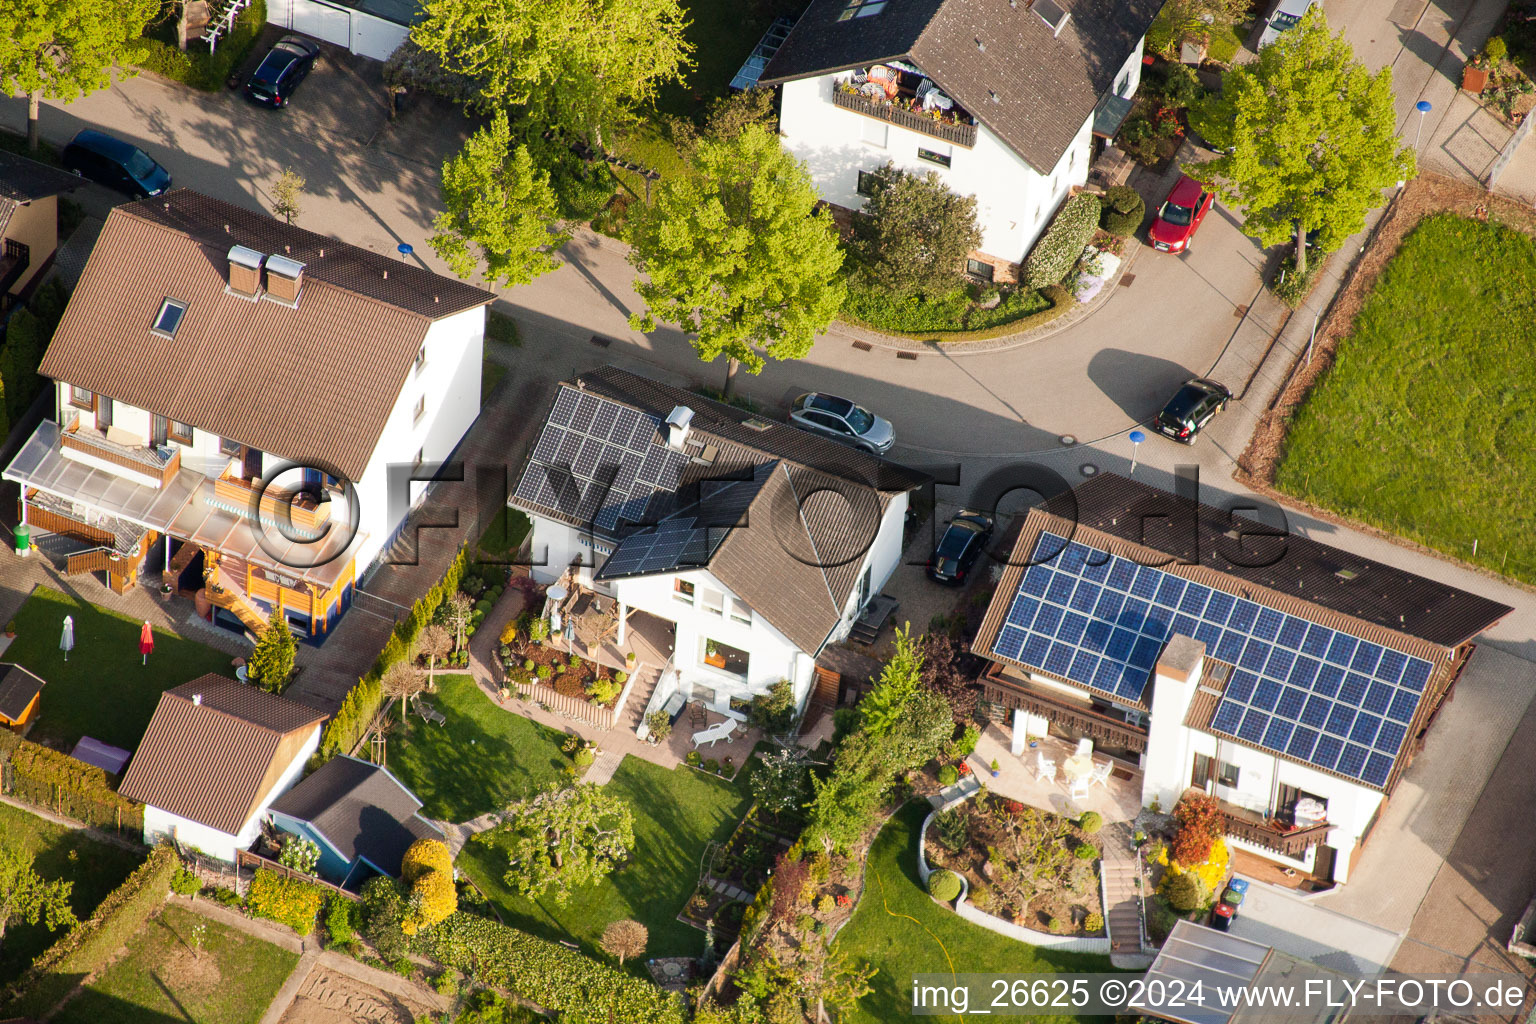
pixel 279 508
pixel 1271 834
pixel 955 127
pixel 1078 719
pixel 123 455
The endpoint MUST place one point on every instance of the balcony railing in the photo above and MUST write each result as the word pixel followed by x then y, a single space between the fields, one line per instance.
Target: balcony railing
pixel 139 459
pixel 1077 719
pixel 959 134
pixel 1272 835
pixel 278 507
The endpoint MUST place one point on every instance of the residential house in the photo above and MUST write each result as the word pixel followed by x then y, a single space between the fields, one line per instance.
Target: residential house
pixel 254 392
pixel 360 817
pixel 736 546
pixel 215 756
pixel 1002 99
pixel 19 692
pixel 29 220
pixel 1200 649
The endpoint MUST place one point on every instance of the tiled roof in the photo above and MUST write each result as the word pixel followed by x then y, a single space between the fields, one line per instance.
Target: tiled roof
pixel 788 538
pixel 361 809
pixel 17 688
pixel 1046 85
pixel 23 180
pixel 213 762
pixel 313 383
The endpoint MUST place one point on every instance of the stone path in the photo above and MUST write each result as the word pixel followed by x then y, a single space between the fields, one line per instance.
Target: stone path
pixel 603 768
pixel 1122 895
pixel 965 787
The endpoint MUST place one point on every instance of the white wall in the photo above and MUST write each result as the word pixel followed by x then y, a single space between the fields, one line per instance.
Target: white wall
pixel 359 32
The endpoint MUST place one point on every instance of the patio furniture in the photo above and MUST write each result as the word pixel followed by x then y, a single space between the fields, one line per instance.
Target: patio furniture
pixel 1101 773
pixel 1084 747
pixel 1078 770
pixel 715 733
pixel 674 706
pixel 1079 787
pixel 1044 767
pixel 426 710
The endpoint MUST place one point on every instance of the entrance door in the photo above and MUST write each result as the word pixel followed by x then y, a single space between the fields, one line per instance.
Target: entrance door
pixel 251 465
pixel 1322 864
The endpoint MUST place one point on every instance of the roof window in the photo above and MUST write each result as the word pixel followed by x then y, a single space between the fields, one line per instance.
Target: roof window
pixel 861 9
pixel 169 318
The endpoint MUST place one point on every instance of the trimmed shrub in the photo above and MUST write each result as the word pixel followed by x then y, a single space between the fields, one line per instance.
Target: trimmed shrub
pixel 1187 891
pixel 1181 86
pixel 433 898
pixel 693 758
pixel 944 886
pixel 805 922
pixel 825 904
pixel 63 785
pixel 1062 243
pixel 965 746
pixel 1091 822
pixel 186 883
pixel 584 757
pixel 422 856
pixel 340 922
pixel 543 672
pixel 604 690
pixel 948 775
pixel 1094 922
pixel 285 900
pixel 1087 851
pixel 1124 210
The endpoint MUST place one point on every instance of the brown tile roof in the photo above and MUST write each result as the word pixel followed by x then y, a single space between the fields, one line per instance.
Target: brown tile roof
pixel 214 762
pixel 312 384
pixel 22 180
pixel 18 686
pixel 1046 85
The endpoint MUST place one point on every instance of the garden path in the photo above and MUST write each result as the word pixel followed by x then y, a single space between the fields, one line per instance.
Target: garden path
pixel 1122 896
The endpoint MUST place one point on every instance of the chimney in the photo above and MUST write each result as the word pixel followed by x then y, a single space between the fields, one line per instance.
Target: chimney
pixel 284 279
pixel 197 698
pixel 245 271
pixel 676 427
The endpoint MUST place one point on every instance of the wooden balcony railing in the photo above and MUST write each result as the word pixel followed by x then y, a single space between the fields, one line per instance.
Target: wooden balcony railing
pixel 1078 719
pixel 959 134
pixel 277 506
pixel 144 461
pixel 1268 834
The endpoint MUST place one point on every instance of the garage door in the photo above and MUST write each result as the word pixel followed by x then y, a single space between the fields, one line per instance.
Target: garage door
pixel 332 24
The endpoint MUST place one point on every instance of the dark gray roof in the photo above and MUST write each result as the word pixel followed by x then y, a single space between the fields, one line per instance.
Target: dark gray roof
pixel 23 180
pixel 787 538
pixel 17 688
pixel 1046 85
pixel 361 809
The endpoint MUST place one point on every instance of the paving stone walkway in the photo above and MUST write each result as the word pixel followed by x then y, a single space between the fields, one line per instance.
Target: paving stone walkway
pixel 603 768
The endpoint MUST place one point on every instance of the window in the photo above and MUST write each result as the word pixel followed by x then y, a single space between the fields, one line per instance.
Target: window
pixel 1208 769
pixel 1298 808
pixel 421 409
pixel 740 612
pixel 81 398
pixel 933 156
pixel 874 132
pixel 181 433
pixel 868 180
pixel 1125 80
pixel 683 591
pixel 1227 775
pixel 421 358
pixel 169 317
pixel 978 268
pixel 861 9
pixel 725 658
pixel 714 602
pixel 230 447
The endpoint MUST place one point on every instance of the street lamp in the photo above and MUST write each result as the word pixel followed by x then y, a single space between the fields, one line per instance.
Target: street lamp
pixel 1423 107
pixel 1136 438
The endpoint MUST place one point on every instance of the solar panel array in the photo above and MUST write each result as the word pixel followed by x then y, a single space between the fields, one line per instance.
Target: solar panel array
pixel 673 544
pixel 1297 688
pixel 599 462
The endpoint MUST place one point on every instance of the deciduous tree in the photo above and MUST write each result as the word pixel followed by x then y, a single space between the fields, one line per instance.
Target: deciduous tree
pixel 1182 18
pixel 26 896
pixel 402 681
pixel 457 611
pixel 433 643
pixel 736 253
pixel 781 780
pixel 499 211
pixel 563 839
pixel 913 233
pixel 1312 135
pixel 625 939
pixel 286 193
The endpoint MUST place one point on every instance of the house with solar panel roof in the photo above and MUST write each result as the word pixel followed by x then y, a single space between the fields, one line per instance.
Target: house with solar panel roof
pixel 1200 649
pixel 730 549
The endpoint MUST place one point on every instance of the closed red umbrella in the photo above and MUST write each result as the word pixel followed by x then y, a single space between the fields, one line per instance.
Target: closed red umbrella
pixel 146 642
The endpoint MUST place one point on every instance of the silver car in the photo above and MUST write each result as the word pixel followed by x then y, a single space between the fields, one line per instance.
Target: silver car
pixel 1287 15
pixel 843 421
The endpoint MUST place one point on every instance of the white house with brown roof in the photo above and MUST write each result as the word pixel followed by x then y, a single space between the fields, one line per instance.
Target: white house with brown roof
pixel 1003 99
pixel 216 754
pixel 738 547
pixel 257 393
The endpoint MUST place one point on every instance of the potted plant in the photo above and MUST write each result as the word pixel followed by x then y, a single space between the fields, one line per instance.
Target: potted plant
pixel 1474 77
pixel 660 725
pixel 629 659
pixel 996 768
pixel 712 655
pixel 10 628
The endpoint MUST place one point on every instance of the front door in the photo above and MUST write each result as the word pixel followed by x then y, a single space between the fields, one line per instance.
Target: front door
pixel 251 466
pixel 1322 863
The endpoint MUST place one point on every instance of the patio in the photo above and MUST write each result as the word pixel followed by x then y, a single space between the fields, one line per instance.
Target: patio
pixel 1118 799
pixel 592 631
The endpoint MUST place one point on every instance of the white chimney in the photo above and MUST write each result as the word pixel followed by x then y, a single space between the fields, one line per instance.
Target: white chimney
pixel 197 698
pixel 676 427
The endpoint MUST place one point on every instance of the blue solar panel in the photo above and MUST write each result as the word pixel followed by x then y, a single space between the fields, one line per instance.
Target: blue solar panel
pixel 1298 688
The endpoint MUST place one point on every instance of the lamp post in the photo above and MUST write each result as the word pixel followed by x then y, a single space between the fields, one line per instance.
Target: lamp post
pixel 1136 437
pixel 1423 107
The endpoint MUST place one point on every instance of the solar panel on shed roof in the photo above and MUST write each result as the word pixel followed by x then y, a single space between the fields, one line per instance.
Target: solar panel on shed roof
pixel 1300 689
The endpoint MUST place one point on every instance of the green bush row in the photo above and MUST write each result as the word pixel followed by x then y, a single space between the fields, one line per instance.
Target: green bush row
pixel 48 778
pixel 955 311
pixel 285 900
pixel 197 67
pixel 1059 302
pixel 1061 245
pixel 91 943
pixel 26 337
pixel 582 990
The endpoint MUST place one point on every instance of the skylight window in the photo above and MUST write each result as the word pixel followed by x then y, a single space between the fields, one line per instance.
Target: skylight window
pixel 861 9
pixel 169 318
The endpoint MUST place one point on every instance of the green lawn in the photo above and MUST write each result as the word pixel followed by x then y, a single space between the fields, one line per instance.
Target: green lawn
pixel 902 932
pixel 1425 425
pixel 96 868
pixel 504 535
pixel 103 690
pixel 162 978
pixel 723 33
pixel 677 813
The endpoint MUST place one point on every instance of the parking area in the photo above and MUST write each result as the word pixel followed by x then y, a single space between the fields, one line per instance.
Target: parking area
pixel 344 95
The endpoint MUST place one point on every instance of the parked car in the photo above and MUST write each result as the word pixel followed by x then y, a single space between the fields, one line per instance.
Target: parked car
pixel 108 160
pixel 1191 408
pixel 287 64
pixel 1286 16
pixel 965 538
pixel 1180 215
pixel 843 421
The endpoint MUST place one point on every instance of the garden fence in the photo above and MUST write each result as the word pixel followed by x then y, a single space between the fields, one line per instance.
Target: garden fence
pixel 124 821
pixel 571 707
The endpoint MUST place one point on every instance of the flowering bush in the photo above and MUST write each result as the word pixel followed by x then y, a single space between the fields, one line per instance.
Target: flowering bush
pixel 284 900
pixel 300 854
pixel 844 900
pixel 1211 873
pixel 1062 244
pixel 964 769
pixel 1199 827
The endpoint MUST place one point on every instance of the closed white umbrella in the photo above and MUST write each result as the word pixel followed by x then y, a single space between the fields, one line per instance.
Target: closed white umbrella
pixel 67 641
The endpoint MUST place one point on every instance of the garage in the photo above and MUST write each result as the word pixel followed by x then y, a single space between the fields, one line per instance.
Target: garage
pixel 369 28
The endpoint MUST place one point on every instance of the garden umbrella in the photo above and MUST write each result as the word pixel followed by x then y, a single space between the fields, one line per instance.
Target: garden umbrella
pixel 67 641
pixel 146 642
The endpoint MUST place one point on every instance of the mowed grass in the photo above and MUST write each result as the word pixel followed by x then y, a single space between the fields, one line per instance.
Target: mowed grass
pixel 723 33
pixel 95 868
pixel 162 977
pixel 677 813
pixel 898 929
pixel 102 690
pixel 1425 426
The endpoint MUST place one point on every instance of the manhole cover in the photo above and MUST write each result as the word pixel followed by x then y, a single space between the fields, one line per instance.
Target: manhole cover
pixel 1067 439
pixel 1126 280
pixel 1240 312
pixel 1088 469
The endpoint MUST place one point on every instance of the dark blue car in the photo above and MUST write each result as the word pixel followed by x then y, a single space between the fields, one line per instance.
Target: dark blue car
pixel 287 64
pixel 119 165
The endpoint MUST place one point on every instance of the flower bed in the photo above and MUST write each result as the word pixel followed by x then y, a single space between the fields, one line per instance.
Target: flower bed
pixel 531 657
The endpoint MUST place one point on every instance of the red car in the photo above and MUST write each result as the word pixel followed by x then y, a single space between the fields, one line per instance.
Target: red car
pixel 1180 215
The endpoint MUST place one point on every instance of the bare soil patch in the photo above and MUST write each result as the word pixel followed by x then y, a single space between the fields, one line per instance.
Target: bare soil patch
pixel 331 998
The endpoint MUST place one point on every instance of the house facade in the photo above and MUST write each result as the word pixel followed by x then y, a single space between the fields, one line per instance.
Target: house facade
pixel 29 220
pixel 237 404
pixel 743 546
pixel 369 28
pixel 1201 650
pixel 1003 101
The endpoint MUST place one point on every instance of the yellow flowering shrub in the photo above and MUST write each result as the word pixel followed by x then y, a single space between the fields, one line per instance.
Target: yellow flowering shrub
pixel 1212 872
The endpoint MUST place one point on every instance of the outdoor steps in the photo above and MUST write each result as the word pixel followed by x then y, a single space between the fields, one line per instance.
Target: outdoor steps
pixel 1123 921
pixel 183 558
pixel 231 599
pixel 640 697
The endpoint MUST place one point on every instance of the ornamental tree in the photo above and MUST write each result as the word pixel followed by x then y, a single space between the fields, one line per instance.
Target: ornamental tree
pixel 433 643
pixel 271 662
pixel 913 234
pixel 563 839
pixel 402 682
pixel 26 896
pixel 736 253
pixel 1200 824
pixel 1312 135
pixel 499 211
pixel 64 49
pixel 625 939
pixel 781 780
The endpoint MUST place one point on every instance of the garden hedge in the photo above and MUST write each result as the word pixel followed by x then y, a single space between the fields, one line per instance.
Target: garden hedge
pixel 47 778
pixel 285 900
pixel 1124 210
pixel 91 943
pixel 197 67
pixel 1061 245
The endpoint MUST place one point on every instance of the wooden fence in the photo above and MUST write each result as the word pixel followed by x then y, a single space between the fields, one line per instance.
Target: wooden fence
pixel 245 859
pixel 578 708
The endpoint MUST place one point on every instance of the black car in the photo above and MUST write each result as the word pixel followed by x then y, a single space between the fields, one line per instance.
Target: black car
pixel 965 538
pixel 1188 411
pixel 108 160
pixel 287 64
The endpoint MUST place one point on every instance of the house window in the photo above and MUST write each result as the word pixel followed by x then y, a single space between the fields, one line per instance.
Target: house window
pixel 725 658
pixel 421 357
pixel 868 181
pixel 1226 775
pixel 179 432
pixel 933 156
pixel 230 447
pixel 740 611
pixel 169 317
pixel 421 409
pixel 981 269
pixel 1299 808
pixel 683 591
pixel 861 9
pixel 1208 769
pixel 874 132
pixel 714 602
pixel 80 398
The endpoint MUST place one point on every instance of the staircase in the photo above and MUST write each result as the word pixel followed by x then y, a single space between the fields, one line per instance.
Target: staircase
pixel 181 559
pixel 223 594
pixel 640 697
pixel 1121 872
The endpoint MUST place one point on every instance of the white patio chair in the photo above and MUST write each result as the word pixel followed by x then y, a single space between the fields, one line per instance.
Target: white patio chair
pixel 1079 788
pixel 1101 773
pixel 1084 747
pixel 1044 767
